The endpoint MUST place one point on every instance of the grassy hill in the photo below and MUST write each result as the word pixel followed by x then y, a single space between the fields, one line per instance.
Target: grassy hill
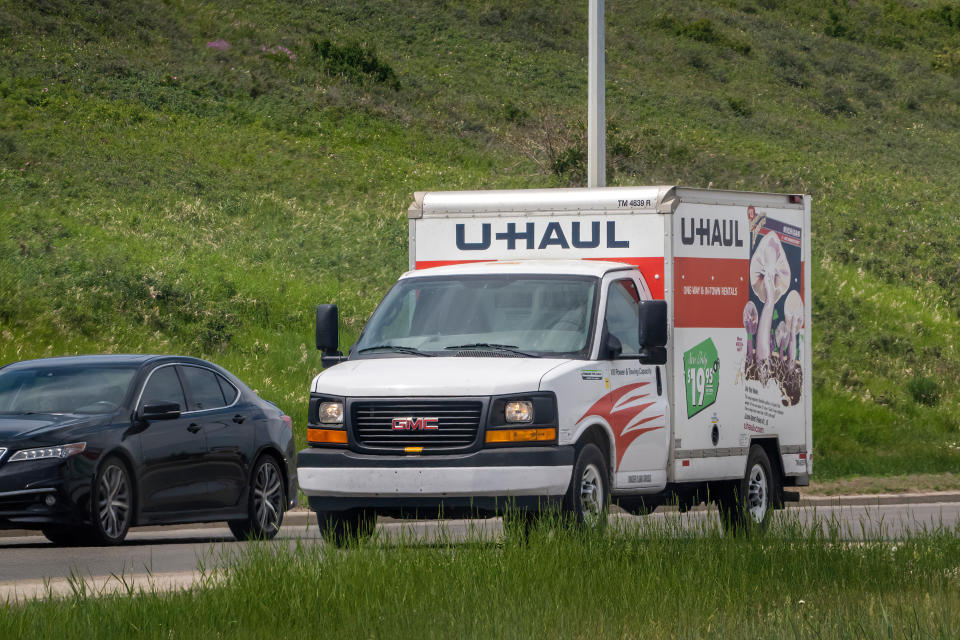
pixel 195 177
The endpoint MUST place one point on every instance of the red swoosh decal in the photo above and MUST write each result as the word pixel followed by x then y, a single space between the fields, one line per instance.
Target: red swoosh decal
pixel 620 418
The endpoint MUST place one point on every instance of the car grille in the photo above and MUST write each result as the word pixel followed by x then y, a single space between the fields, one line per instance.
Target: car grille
pixel 457 423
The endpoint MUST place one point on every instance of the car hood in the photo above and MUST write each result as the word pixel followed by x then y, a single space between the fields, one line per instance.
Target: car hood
pixel 438 376
pixel 13 427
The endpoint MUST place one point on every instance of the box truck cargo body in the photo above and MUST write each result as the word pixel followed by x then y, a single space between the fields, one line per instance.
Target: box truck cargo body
pixel 574 347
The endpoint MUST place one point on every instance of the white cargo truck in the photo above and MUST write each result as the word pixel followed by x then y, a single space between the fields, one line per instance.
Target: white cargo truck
pixel 572 348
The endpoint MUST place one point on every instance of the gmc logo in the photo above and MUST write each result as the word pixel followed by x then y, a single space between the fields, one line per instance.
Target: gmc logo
pixel 415 424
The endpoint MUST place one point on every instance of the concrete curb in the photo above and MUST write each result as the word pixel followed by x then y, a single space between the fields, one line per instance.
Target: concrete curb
pixel 880 499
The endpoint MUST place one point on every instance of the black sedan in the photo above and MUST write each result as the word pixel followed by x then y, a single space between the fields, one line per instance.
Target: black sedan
pixel 92 445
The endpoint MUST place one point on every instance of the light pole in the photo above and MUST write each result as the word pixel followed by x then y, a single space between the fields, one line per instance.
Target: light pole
pixel 596 117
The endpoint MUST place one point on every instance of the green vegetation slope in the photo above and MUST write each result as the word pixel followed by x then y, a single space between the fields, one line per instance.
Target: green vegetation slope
pixel 195 177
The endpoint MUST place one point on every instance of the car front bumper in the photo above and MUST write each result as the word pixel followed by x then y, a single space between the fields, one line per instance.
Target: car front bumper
pixel 38 493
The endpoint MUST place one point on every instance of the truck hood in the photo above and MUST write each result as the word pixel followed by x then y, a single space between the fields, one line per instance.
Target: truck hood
pixel 440 376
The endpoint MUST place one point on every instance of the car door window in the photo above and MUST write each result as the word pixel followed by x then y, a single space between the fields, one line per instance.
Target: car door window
pixel 204 390
pixel 163 387
pixel 230 392
pixel 623 315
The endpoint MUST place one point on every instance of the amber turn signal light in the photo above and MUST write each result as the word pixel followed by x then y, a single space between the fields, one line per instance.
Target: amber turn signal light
pixel 326 436
pixel 521 435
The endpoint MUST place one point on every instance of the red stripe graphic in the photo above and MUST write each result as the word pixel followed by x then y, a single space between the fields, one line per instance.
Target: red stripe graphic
pixel 623 416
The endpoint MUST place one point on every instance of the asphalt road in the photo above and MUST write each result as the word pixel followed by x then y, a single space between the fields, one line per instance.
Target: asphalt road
pixel 169 557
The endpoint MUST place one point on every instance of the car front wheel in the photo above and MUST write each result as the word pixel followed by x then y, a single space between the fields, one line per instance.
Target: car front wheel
pixel 111 503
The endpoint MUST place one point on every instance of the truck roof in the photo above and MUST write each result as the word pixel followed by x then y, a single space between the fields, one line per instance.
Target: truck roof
pixel 595 268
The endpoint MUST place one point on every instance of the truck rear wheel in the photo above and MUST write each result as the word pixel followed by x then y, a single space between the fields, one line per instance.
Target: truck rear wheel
pixel 747 503
pixel 343 528
pixel 589 493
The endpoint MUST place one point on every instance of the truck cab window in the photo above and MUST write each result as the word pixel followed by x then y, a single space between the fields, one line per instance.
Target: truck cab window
pixel 623 314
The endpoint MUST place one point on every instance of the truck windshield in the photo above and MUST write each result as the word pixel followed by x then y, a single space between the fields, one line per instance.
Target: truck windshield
pixel 542 315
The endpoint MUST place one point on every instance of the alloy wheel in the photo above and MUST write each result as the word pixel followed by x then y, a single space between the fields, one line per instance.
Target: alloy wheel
pixel 113 501
pixel 268 496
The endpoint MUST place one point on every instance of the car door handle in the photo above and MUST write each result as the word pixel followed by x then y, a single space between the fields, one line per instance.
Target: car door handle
pixel 193 428
pixel 239 418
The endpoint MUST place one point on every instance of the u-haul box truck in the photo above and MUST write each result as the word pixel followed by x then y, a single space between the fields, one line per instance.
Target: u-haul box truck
pixel 573 347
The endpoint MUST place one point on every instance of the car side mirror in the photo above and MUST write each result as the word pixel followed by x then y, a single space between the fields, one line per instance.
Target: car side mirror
pixel 328 335
pixel 160 411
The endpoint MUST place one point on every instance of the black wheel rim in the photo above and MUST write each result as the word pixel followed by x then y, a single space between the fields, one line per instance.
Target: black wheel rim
pixel 267 497
pixel 113 501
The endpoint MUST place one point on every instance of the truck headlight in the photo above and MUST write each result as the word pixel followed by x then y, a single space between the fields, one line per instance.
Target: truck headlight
pixel 42 453
pixel 519 411
pixel 330 412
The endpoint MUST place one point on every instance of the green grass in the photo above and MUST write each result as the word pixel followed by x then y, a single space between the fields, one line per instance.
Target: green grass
pixel 660 582
pixel 157 194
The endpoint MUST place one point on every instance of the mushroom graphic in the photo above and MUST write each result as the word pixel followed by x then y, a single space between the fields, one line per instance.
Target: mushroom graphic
pixel 770 278
pixel 750 316
pixel 780 338
pixel 793 316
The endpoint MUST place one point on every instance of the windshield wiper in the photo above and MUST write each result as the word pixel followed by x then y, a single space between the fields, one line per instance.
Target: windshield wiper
pixel 512 348
pixel 398 349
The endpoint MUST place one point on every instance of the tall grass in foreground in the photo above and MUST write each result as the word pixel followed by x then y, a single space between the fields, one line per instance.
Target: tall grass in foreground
pixel 658 582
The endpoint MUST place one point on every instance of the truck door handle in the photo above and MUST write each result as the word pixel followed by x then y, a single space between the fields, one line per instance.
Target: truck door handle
pixel 193 428
pixel 239 418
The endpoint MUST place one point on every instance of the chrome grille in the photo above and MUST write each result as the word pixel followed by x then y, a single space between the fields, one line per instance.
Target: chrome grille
pixel 457 423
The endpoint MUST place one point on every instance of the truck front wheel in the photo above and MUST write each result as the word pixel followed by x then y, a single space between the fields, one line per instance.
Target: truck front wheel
pixel 589 491
pixel 343 528
pixel 748 502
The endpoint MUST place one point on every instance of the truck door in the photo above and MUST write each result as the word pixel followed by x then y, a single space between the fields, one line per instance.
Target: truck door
pixel 637 413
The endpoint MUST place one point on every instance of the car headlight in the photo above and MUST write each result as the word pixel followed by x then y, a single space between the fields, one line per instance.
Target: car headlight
pixel 519 411
pixel 330 412
pixel 43 453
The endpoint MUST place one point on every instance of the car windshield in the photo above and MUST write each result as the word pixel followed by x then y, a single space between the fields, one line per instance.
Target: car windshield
pixel 63 389
pixel 519 314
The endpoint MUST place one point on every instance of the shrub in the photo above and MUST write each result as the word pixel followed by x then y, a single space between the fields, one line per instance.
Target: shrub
pixel 354 62
pixel 924 390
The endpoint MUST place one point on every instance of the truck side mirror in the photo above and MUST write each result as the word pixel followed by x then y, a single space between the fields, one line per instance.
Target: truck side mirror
pixel 653 331
pixel 653 323
pixel 328 334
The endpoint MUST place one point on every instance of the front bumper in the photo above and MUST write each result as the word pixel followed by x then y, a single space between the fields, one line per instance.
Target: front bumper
pixel 38 493
pixel 486 480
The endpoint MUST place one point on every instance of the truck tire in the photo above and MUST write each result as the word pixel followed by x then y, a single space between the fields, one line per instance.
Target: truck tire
pixel 746 504
pixel 589 493
pixel 344 528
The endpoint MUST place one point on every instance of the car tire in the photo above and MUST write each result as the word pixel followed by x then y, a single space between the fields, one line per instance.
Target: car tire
pixel 345 528
pixel 111 503
pixel 746 504
pixel 588 496
pixel 266 500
